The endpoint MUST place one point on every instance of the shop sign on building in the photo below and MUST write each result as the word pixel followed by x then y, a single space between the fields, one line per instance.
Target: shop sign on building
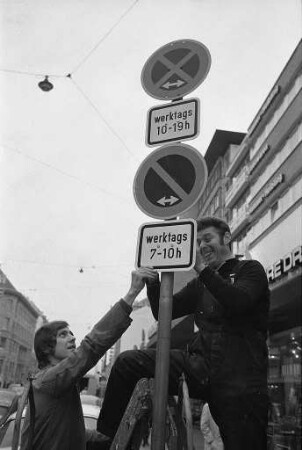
pixel 256 160
pixel 290 261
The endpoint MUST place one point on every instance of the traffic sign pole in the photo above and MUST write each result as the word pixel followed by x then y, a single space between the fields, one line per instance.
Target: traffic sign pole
pixel 169 182
pixel 160 397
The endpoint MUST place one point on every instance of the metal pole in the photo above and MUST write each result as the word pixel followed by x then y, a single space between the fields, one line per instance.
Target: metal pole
pixel 162 362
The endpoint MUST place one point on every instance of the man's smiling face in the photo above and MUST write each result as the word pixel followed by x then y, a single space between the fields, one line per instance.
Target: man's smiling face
pixel 213 246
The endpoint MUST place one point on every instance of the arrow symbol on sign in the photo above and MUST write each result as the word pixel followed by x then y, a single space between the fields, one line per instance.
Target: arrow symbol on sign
pixel 169 84
pixel 170 201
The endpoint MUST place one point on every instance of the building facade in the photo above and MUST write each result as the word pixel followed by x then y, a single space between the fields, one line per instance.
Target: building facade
pixel 19 319
pixel 264 209
pixel 223 146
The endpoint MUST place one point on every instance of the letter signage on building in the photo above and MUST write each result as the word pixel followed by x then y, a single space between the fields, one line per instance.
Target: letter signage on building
pixel 290 261
pixel 256 160
pixel 267 191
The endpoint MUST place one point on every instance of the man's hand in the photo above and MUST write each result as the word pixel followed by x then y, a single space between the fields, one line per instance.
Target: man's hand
pixel 149 275
pixel 139 278
pixel 142 276
pixel 199 262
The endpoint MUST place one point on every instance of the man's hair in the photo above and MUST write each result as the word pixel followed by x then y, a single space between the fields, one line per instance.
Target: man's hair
pixel 210 221
pixel 45 341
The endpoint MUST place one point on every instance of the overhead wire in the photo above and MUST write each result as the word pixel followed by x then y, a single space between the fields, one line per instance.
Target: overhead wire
pixel 121 199
pixel 104 120
pixel 85 58
pixel 73 266
pixel 105 36
pixel 62 172
pixel 56 169
pixel 122 276
pixel 109 126
pixel 70 286
pixel 34 74
pixel 69 75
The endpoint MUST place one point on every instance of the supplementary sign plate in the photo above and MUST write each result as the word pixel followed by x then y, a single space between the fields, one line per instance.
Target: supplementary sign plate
pixel 167 246
pixel 176 121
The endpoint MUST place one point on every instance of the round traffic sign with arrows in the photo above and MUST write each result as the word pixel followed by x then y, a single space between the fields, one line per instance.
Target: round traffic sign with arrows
pixel 176 69
pixel 169 181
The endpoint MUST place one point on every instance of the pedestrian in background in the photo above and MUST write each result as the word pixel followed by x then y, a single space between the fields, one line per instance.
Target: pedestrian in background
pixel 210 430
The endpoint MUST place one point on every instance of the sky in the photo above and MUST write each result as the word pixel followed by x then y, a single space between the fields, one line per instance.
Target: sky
pixel 68 157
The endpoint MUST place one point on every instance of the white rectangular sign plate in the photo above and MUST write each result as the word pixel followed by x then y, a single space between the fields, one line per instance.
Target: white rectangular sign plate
pixel 167 246
pixel 177 121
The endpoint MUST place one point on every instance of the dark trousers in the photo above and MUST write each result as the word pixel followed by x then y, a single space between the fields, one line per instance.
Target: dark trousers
pixel 242 419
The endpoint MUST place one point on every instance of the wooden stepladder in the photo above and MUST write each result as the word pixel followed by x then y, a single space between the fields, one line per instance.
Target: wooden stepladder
pixel 179 428
pixel 137 412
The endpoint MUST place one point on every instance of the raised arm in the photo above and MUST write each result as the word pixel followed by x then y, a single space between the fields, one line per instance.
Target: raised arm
pixel 62 376
pixel 249 288
pixel 184 301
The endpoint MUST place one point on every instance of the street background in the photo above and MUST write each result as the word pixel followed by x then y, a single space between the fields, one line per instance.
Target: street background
pixel 68 157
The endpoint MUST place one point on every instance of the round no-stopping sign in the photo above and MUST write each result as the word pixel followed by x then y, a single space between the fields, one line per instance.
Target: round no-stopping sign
pixel 176 69
pixel 169 181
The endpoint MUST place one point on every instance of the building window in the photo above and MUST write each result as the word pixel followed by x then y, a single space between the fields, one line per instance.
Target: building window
pixel 285 389
pixel 6 305
pixel 4 323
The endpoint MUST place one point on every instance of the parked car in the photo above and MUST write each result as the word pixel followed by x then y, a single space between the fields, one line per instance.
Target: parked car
pixel 90 413
pixel 196 408
pixel 6 432
pixel 6 398
pixel 89 399
pixel 16 387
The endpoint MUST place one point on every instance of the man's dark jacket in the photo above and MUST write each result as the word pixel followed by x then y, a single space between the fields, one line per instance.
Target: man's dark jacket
pixel 230 308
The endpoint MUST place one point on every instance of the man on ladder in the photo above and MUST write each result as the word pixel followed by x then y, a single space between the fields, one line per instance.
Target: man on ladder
pixel 227 364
